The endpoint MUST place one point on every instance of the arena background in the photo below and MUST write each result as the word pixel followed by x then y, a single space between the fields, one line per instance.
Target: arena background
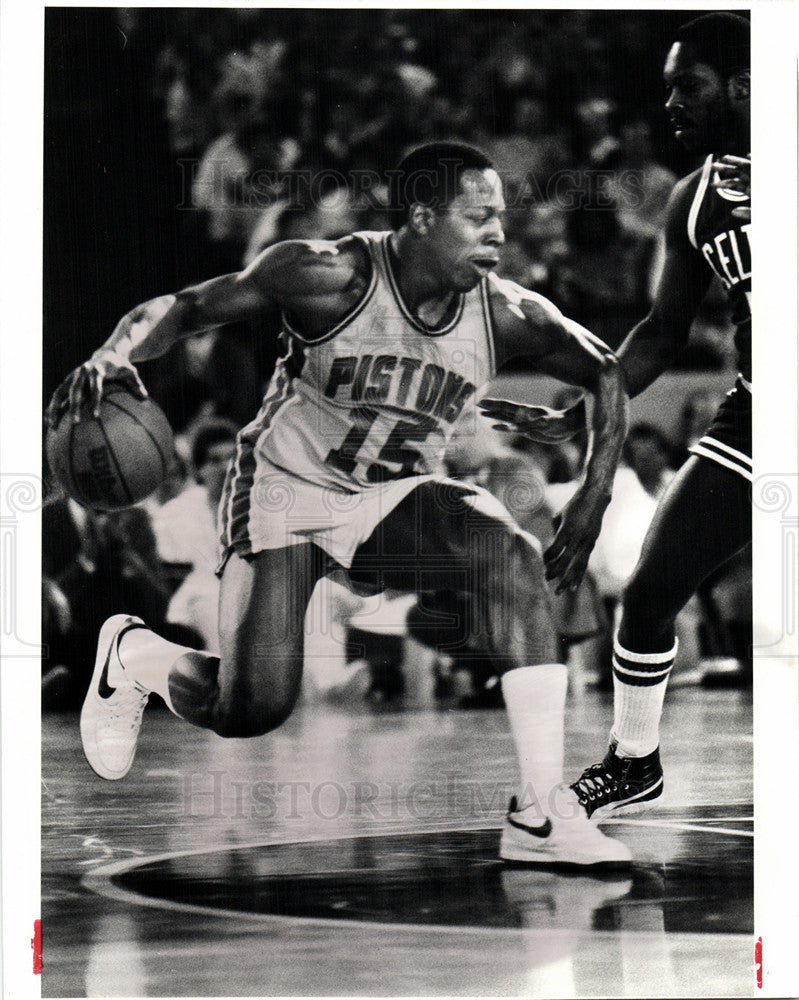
pixel 134 97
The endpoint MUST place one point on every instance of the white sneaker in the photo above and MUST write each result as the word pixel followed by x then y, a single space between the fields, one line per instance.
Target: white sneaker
pixel 112 711
pixel 566 839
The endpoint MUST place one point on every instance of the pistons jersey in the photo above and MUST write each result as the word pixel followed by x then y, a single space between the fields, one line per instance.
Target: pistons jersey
pixel 723 241
pixel 377 397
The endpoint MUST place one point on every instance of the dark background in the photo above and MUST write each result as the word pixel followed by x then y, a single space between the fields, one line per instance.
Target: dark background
pixel 113 235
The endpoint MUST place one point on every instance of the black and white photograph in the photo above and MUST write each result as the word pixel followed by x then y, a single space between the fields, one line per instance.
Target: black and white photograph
pixel 396 603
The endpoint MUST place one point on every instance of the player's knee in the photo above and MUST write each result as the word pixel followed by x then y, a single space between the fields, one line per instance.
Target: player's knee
pixel 643 606
pixel 251 722
pixel 250 716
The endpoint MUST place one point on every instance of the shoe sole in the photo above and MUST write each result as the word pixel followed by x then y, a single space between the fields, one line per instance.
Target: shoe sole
pixel 87 729
pixel 559 864
pixel 514 853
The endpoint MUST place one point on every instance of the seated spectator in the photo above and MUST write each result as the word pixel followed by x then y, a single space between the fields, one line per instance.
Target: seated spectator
pixel 186 533
pixel 93 565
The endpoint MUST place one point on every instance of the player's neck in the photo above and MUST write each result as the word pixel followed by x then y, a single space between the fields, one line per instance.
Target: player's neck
pixel 423 294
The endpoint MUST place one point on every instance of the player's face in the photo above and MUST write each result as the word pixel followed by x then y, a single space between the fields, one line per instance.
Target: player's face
pixel 467 235
pixel 696 101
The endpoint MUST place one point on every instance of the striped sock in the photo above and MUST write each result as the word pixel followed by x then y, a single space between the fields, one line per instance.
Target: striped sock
pixel 639 687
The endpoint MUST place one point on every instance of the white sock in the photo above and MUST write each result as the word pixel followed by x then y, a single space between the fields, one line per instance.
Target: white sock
pixel 535 698
pixel 639 688
pixel 148 659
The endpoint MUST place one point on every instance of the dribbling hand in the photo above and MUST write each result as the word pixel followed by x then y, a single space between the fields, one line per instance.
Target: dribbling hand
pixel 539 423
pixel 83 387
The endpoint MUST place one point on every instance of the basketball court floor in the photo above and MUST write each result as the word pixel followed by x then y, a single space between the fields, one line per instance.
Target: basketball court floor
pixel 354 852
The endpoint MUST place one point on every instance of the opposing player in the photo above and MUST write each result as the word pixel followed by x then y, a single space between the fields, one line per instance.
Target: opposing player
pixel 387 337
pixel 705 517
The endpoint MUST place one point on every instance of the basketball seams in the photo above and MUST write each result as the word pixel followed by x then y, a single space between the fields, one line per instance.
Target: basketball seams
pixel 70 457
pixel 113 460
pixel 145 428
pixel 123 482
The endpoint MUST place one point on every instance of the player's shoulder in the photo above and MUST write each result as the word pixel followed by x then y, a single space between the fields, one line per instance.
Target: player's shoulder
pixel 680 206
pixel 684 192
pixel 313 266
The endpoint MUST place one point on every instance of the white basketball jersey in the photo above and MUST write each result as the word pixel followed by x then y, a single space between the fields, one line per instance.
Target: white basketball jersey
pixel 377 397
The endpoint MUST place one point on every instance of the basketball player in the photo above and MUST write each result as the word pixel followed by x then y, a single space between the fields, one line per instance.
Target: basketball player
pixel 705 516
pixel 387 338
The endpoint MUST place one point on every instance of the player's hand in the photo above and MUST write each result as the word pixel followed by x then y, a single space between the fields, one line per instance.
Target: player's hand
pixel 83 387
pixel 577 529
pixel 734 173
pixel 539 423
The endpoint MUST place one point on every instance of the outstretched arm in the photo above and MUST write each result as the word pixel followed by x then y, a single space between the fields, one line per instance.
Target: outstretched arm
pixel 528 326
pixel 655 343
pixel 316 281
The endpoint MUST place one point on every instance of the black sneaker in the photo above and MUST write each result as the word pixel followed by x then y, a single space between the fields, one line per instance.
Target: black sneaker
pixel 620 785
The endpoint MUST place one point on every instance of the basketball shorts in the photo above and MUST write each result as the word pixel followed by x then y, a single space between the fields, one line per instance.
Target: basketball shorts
pixel 728 440
pixel 275 509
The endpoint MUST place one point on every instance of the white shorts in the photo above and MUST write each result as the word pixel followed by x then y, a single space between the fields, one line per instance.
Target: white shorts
pixel 276 509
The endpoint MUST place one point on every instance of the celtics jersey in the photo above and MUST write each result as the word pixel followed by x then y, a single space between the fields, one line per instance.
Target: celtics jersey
pixel 375 398
pixel 723 241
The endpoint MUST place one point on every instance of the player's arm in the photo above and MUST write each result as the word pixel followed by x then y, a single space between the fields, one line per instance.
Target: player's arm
pixel 655 343
pixel 529 327
pixel 316 281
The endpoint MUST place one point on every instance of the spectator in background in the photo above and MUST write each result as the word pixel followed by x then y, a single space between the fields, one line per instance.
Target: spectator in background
pixel 603 280
pixel 326 212
pixel 206 376
pixel 595 142
pixel 186 533
pixel 91 562
pixel 639 184
pixel 239 175
pixel 648 452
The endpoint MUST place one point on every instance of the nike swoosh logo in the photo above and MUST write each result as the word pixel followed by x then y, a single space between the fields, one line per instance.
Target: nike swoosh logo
pixel 103 687
pixel 537 831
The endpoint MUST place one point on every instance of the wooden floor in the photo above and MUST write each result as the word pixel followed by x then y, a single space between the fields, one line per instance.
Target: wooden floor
pixel 355 853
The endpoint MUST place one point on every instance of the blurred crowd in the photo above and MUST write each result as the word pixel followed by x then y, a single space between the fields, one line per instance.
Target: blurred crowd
pixel 267 124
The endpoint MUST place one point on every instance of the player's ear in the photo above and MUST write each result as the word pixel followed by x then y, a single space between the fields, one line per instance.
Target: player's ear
pixel 420 219
pixel 739 86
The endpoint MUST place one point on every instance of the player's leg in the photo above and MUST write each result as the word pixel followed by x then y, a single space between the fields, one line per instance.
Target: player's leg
pixel 704 519
pixel 246 691
pixel 445 537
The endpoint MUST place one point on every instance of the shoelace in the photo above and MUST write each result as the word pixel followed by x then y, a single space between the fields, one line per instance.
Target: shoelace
pixel 127 706
pixel 597 784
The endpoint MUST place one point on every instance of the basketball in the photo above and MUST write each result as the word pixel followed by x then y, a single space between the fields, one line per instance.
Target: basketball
pixel 116 459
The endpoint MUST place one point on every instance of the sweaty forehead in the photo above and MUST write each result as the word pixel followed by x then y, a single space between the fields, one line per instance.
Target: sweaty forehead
pixel 684 60
pixel 481 187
